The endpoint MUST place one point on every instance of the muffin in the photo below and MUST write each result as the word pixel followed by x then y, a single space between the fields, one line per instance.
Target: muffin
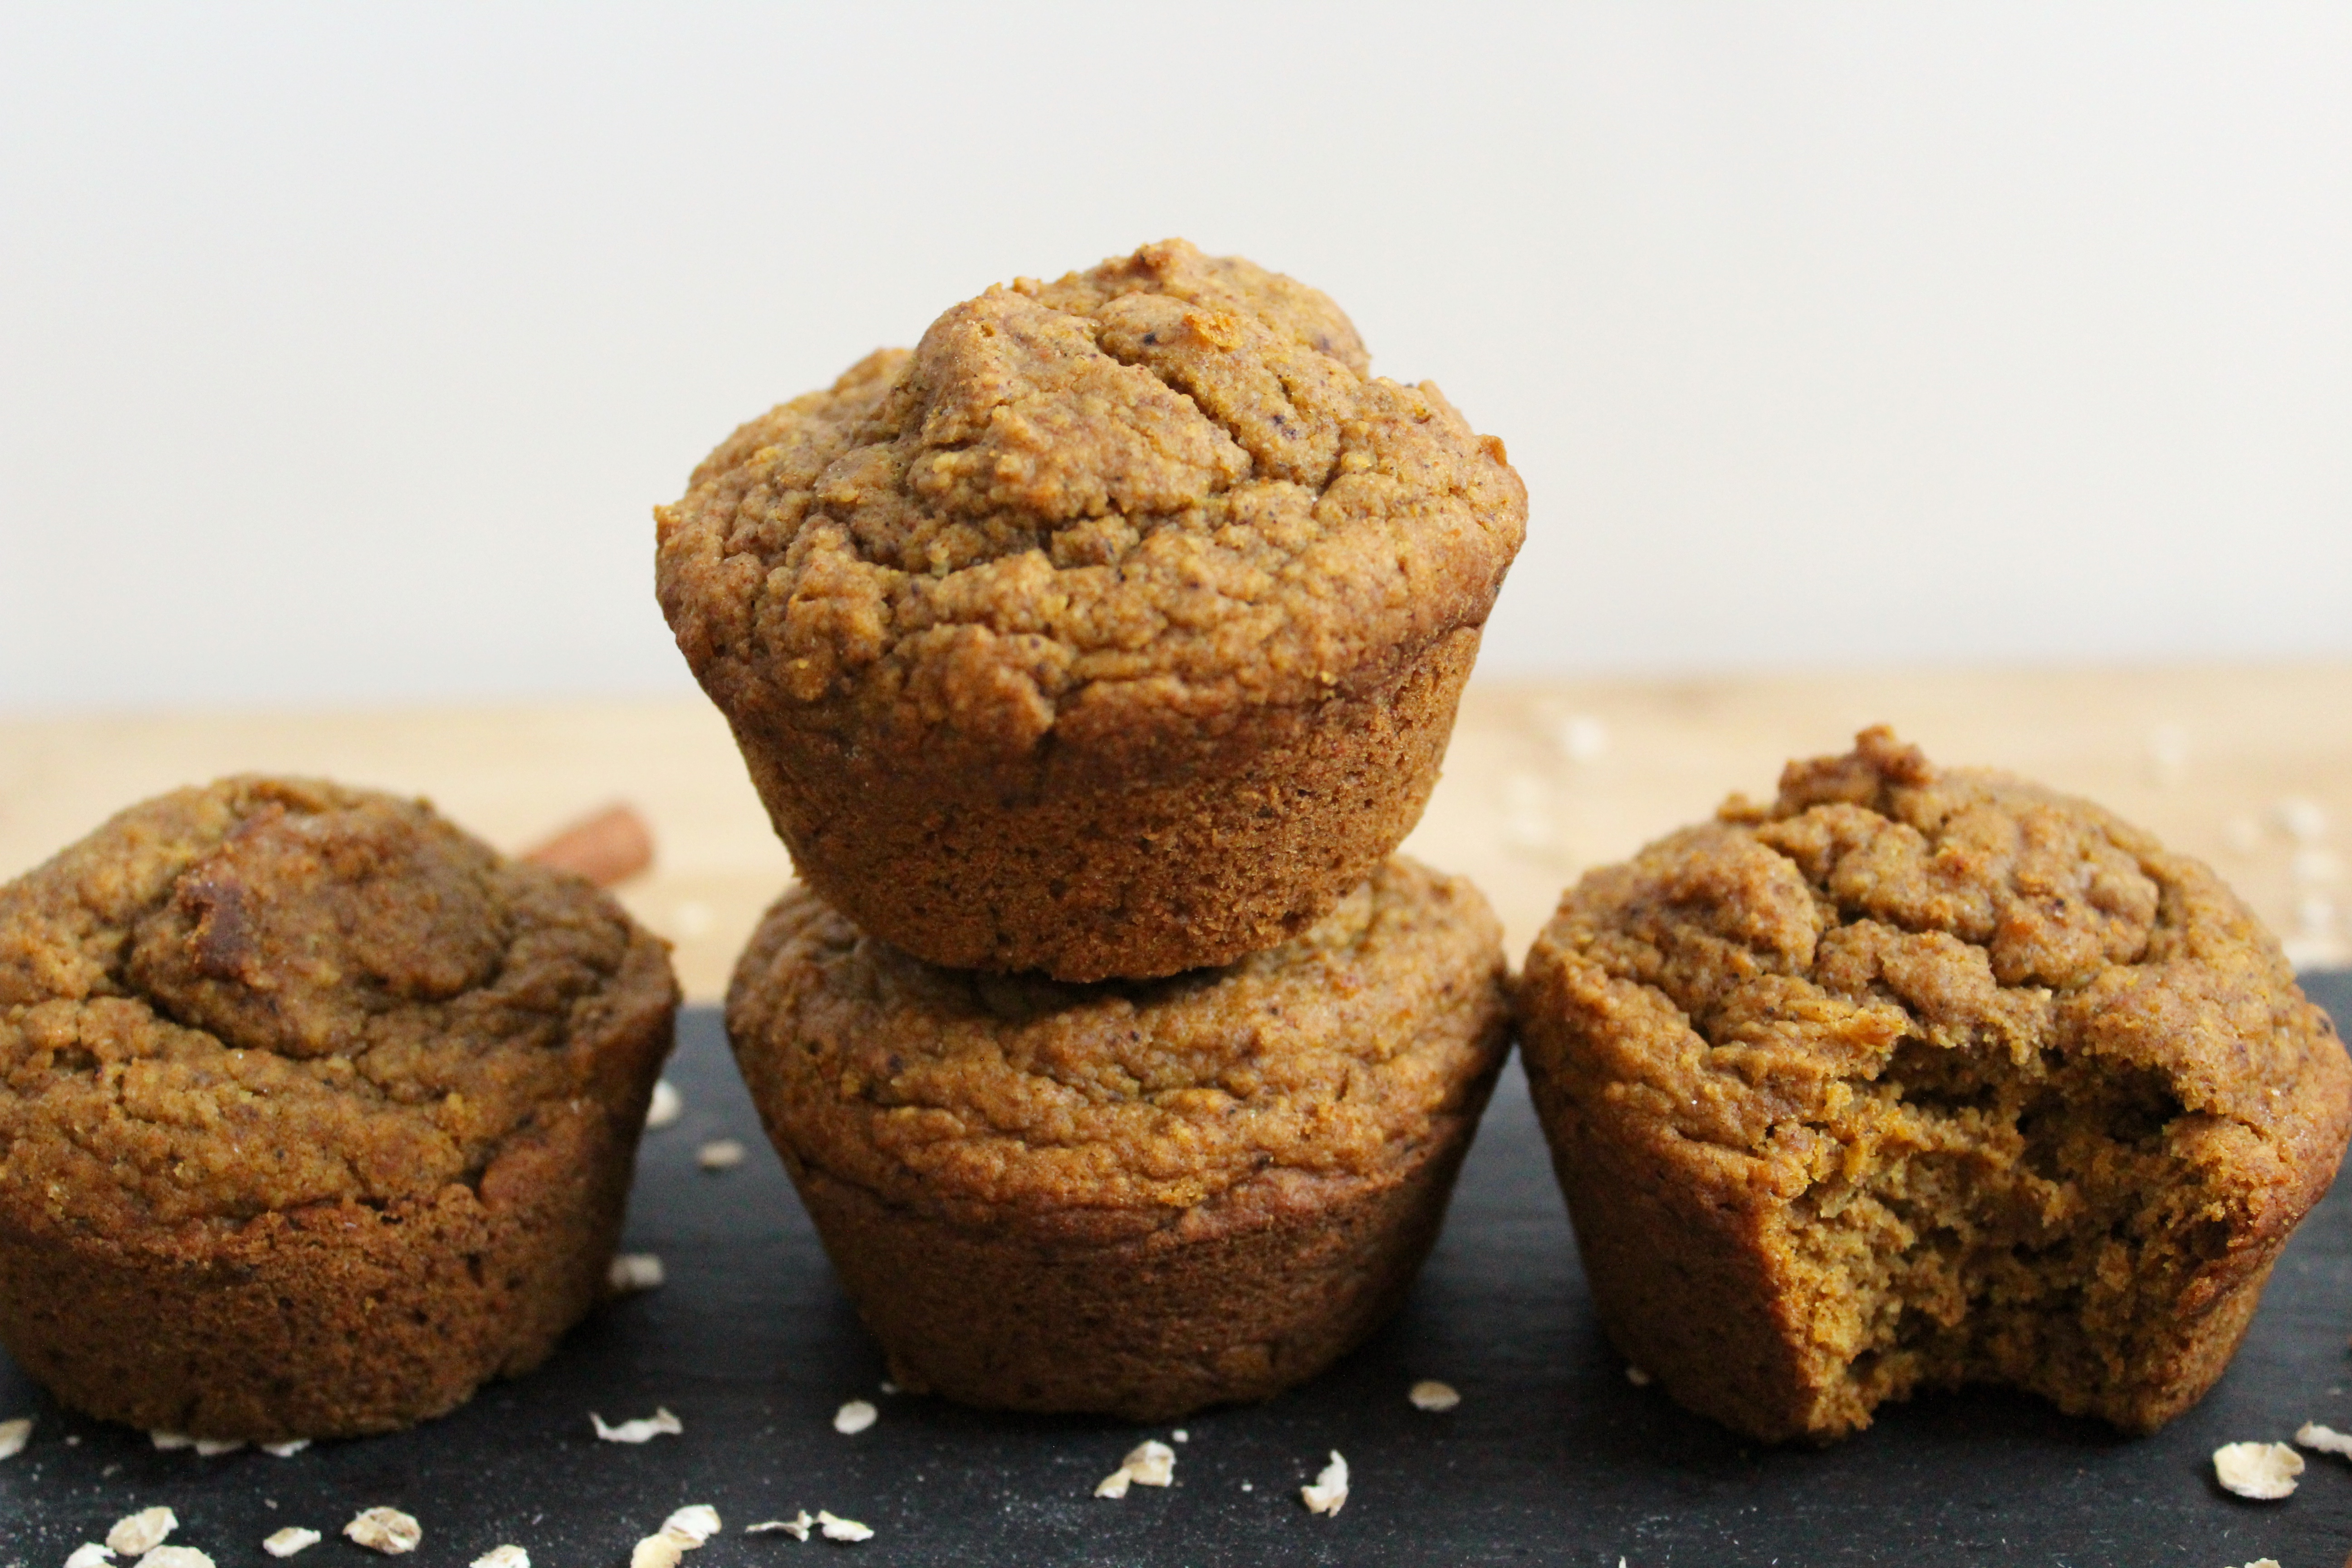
pixel 1114 630
pixel 1130 1198
pixel 314 1112
pixel 1922 1078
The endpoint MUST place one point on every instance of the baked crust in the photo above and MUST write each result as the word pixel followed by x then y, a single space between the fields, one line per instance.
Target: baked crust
pixel 1150 532
pixel 1131 1198
pixel 314 1112
pixel 1917 1077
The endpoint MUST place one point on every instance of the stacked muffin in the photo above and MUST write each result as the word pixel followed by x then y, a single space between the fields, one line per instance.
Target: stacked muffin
pixel 1091 660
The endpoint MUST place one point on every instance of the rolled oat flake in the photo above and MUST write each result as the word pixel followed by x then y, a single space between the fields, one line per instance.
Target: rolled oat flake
pixel 385 1529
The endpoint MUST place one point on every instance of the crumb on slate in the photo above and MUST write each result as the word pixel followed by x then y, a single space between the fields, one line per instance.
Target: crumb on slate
pixel 1328 1492
pixel 633 1271
pixel 842 1529
pixel 797 1527
pixel 1431 1394
pixel 645 1428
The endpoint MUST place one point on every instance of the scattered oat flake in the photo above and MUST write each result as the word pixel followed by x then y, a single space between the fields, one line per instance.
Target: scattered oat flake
pixel 1431 1394
pixel 89 1554
pixel 842 1529
pixel 855 1417
pixel 2262 1470
pixel 14 1436
pixel 209 1447
pixel 167 1441
pixel 693 1524
pixel 292 1538
pixel 287 1450
pixel 143 1532
pixel 1329 1494
pixel 1152 1464
pixel 1637 1377
pixel 633 1271
pixel 645 1428
pixel 2264 1562
pixel 719 1154
pixel 889 1387
pixel 796 1527
pixel 1180 1435
pixel 385 1529
pixel 175 1557
pixel 668 1103
pixel 1115 1484
pixel 661 1549
pixel 2326 1439
pixel 503 1557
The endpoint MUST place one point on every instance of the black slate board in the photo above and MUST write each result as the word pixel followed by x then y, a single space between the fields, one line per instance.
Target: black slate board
pixel 1551 1458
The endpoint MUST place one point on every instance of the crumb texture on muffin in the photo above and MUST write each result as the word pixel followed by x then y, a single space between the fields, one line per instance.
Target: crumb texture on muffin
pixel 271 993
pixel 1107 509
pixel 1127 1104
pixel 1921 1077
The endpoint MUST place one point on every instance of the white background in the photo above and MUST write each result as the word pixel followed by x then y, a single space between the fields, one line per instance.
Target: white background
pixel 343 349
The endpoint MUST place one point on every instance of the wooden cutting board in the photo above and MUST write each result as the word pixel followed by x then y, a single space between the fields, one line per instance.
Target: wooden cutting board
pixel 2249 768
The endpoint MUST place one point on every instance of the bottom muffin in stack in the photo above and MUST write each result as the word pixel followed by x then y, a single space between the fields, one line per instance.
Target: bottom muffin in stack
pixel 1131 1197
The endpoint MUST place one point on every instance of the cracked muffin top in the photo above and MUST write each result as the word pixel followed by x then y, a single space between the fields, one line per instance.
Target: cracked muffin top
pixel 1744 978
pixel 271 993
pixel 1112 505
pixel 1330 1058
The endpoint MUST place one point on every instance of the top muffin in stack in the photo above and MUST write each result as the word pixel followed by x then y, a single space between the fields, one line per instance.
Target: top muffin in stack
pixel 1114 630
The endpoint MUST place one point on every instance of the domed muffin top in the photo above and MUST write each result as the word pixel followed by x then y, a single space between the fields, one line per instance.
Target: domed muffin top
pixel 1124 501
pixel 1329 1059
pixel 1743 981
pixel 271 993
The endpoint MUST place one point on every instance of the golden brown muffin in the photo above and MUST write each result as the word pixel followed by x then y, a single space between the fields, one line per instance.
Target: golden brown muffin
pixel 1919 1077
pixel 1133 1197
pixel 1114 631
pixel 314 1112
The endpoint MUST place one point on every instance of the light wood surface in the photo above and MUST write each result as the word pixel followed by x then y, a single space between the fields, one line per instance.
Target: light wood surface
pixel 2250 769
